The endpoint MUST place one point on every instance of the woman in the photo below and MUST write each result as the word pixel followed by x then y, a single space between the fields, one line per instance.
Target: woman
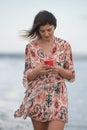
pixel 48 63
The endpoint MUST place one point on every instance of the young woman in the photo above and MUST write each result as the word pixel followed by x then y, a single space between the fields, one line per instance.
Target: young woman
pixel 48 63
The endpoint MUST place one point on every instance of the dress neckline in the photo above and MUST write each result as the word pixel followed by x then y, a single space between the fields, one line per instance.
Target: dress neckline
pixel 47 55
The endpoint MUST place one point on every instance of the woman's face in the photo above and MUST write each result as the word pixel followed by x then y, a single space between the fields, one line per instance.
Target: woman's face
pixel 46 32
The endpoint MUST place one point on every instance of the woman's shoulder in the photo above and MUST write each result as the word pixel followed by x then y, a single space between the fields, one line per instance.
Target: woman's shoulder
pixel 31 44
pixel 61 41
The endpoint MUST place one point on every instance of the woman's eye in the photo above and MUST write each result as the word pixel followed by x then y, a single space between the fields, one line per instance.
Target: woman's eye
pixel 42 31
pixel 49 30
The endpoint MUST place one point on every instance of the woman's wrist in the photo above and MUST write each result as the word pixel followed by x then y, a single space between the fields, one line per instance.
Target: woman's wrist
pixel 59 69
pixel 32 74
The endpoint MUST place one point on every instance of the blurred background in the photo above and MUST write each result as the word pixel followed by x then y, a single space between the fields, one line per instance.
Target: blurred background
pixel 18 15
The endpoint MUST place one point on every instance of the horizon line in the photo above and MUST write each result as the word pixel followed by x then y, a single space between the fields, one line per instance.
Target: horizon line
pixel 21 55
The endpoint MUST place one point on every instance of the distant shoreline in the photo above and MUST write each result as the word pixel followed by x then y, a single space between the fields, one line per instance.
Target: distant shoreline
pixel 11 55
pixel 21 55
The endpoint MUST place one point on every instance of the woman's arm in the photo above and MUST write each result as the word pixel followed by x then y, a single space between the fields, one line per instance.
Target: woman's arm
pixel 65 73
pixel 27 67
pixel 67 70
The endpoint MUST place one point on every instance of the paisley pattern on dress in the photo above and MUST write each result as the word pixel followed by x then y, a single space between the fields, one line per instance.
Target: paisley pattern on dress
pixel 46 97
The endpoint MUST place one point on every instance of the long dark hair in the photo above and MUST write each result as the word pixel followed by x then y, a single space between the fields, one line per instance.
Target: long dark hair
pixel 42 18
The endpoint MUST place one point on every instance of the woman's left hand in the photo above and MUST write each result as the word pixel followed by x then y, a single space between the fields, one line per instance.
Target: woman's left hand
pixel 55 69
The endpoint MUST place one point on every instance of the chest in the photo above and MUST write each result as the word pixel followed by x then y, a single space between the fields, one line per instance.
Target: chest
pixel 39 54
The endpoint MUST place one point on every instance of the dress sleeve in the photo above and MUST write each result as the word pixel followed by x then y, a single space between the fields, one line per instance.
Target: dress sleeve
pixel 28 67
pixel 68 64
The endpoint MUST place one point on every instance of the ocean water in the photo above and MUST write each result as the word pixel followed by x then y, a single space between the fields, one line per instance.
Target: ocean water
pixel 12 93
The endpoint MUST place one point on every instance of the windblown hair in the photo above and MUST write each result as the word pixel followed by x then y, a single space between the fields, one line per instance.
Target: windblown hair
pixel 42 18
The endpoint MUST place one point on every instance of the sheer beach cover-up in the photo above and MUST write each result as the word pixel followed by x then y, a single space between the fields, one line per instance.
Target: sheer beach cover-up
pixel 46 97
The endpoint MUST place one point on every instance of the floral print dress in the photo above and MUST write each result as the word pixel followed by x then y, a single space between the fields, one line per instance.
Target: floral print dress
pixel 46 97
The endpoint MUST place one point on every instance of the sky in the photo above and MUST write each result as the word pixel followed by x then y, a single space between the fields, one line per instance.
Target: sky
pixel 18 15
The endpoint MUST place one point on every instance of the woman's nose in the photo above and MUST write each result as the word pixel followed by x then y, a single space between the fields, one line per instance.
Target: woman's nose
pixel 46 34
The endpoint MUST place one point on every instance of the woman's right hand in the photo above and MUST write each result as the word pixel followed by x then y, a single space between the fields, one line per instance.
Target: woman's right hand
pixel 38 70
pixel 43 69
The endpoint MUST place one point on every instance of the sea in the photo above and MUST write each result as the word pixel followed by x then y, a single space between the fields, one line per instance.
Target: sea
pixel 12 94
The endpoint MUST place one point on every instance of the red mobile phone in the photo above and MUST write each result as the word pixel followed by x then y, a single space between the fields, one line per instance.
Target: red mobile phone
pixel 49 62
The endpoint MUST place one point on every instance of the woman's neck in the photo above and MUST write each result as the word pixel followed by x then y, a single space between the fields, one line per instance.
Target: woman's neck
pixel 47 42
